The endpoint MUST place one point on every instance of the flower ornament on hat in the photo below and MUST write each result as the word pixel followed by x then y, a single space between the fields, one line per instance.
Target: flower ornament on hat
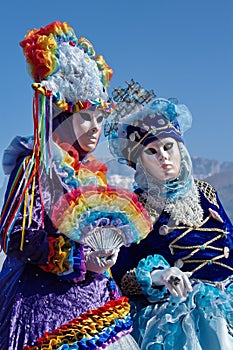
pixel 150 121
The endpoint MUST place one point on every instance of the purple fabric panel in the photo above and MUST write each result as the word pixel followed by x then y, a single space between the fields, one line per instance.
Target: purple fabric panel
pixel 33 301
pixel 42 303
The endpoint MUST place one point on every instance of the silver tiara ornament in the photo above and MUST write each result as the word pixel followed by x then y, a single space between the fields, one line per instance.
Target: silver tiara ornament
pixel 127 101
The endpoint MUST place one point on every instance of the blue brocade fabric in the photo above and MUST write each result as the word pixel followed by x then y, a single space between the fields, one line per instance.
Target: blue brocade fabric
pixel 202 321
pixel 156 243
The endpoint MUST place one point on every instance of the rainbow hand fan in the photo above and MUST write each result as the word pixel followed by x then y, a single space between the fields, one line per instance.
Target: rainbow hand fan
pixel 101 217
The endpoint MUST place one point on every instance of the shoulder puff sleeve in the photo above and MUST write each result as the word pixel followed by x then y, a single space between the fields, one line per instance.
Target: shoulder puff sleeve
pixel 213 205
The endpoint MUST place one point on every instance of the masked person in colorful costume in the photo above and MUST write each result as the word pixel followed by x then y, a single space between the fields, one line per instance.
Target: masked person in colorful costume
pixel 48 279
pixel 180 277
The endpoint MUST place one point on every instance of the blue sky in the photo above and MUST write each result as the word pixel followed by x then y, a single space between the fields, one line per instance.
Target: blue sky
pixel 179 48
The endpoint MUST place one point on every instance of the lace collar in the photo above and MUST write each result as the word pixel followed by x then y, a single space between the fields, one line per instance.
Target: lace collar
pixel 186 210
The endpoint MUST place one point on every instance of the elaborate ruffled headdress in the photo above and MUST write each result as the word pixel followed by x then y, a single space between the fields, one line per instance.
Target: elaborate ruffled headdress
pixel 66 68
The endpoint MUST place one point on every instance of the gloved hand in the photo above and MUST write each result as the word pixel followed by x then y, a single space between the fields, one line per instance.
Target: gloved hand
pixel 100 260
pixel 176 281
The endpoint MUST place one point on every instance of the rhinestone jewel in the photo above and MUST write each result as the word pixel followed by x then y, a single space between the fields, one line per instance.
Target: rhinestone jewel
pixel 163 230
pixel 153 132
pixel 161 122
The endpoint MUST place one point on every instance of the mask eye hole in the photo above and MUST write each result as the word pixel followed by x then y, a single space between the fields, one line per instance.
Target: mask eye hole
pixel 86 117
pixel 99 119
pixel 168 146
pixel 150 151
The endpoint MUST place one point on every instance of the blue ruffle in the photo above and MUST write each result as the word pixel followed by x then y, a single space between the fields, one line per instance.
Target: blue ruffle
pixel 104 217
pixel 100 340
pixel 143 275
pixel 76 263
pixel 205 317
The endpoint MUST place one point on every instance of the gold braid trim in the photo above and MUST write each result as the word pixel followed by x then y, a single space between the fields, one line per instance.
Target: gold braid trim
pixel 196 248
pixel 209 262
pixel 208 191
pixel 171 245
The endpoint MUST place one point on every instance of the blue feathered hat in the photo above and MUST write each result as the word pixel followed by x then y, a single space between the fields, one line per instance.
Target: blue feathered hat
pixel 144 123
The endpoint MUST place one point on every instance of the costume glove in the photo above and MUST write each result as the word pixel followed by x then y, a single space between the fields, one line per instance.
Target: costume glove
pixel 176 281
pixel 100 260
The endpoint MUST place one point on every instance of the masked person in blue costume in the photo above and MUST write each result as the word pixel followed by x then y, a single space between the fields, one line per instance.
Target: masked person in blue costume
pixel 180 277
pixel 54 292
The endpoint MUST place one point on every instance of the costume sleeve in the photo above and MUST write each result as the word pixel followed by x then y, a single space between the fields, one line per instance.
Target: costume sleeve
pixel 31 243
pixel 211 204
pixel 126 262
pixel 31 237
pixel 227 222
pixel 227 226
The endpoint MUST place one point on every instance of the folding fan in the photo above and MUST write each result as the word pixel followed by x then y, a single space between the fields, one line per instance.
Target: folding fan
pixel 101 217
